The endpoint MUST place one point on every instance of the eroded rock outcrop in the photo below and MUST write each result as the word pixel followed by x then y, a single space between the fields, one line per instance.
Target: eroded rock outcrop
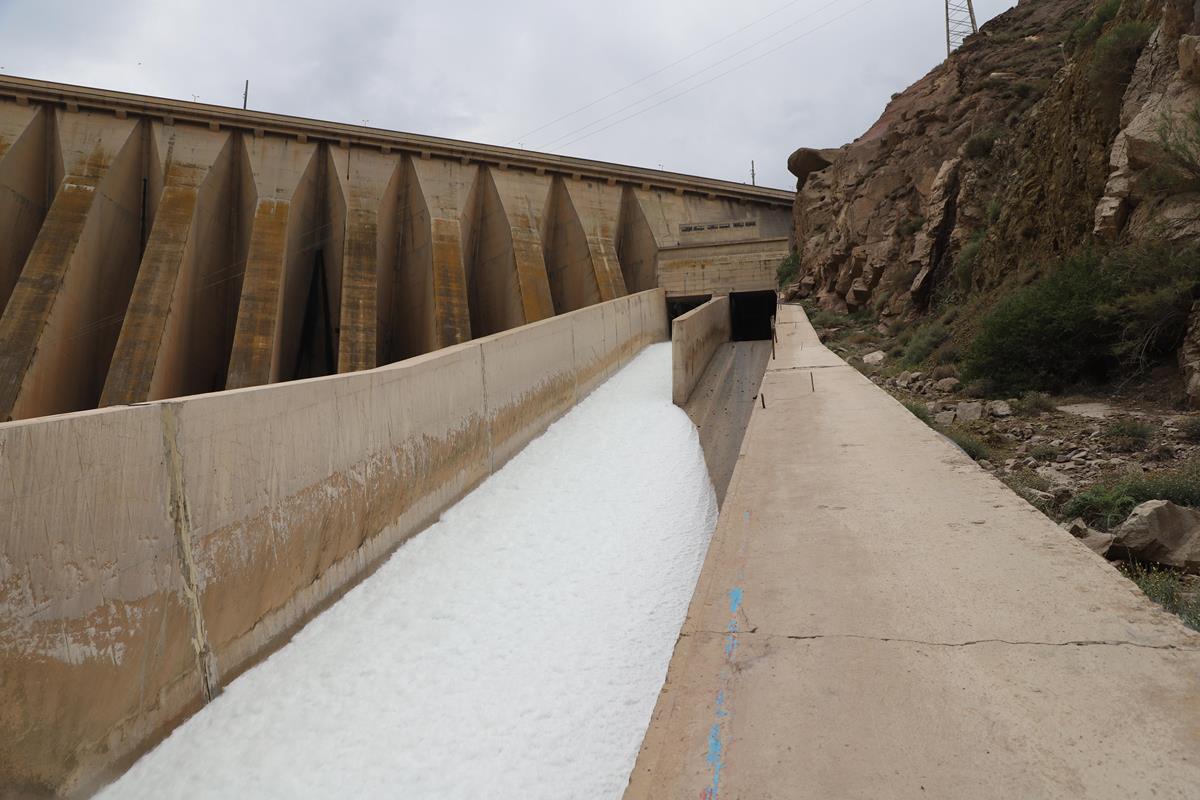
pixel 1021 148
pixel 882 221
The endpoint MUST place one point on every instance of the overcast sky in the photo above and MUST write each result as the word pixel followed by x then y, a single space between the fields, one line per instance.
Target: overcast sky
pixel 496 71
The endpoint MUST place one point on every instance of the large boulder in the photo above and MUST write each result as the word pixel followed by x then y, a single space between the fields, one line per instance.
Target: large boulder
pixel 969 411
pixel 806 161
pixel 1161 532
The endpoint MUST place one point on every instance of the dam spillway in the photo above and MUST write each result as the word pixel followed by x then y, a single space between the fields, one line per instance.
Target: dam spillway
pixel 513 649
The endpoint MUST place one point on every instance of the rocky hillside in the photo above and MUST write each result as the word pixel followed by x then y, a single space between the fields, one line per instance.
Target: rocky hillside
pixel 1062 127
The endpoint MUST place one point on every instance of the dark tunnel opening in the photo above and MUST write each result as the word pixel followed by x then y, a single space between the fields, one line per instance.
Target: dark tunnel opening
pixel 678 306
pixel 750 315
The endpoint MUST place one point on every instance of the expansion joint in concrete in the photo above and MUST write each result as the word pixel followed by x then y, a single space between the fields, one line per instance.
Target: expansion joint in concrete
pixel 206 663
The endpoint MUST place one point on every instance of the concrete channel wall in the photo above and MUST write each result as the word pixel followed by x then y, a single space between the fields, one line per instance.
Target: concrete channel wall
pixel 153 552
pixel 695 336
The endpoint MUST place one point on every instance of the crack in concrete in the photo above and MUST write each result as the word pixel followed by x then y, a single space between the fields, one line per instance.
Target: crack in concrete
pixel 1015 643
pixel 968 643
pixel 206 662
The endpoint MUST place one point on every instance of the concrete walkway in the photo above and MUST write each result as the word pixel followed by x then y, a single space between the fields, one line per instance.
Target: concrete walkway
pixel 878 617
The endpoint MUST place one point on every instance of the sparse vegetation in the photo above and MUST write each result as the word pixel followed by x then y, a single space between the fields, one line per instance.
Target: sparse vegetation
pixel 1033 403
pixel 1087 30
pixel 787 270
pixel 1191 429
pixel 1116 54
pixel 1109 502
pixel 923 341
pixel 994 209
pixel 920 411
pixel 1043 452
pixel 1130 434
pixel 1167 588
pixel 981 144
pixel 970 444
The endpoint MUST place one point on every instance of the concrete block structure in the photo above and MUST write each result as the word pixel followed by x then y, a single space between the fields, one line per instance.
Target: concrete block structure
pixel 158 249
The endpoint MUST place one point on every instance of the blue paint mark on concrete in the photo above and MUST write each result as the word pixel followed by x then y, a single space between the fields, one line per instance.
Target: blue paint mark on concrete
pixel 735 599
pixel 715 749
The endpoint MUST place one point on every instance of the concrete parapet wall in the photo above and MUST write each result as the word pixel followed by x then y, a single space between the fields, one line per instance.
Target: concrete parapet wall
pixel 156 551
pixel 695 336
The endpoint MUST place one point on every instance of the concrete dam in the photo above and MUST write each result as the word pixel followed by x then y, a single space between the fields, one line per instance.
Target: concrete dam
pixel 245 357
pixel 158 249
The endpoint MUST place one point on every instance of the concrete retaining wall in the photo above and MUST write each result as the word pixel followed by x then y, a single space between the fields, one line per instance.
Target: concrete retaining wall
pixel 695 336
pixel 153 552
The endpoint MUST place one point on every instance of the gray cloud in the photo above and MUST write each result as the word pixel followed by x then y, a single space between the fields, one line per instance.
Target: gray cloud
pixel 492 72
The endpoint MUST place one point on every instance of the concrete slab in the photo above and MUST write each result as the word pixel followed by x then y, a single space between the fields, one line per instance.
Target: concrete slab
pixel 878 617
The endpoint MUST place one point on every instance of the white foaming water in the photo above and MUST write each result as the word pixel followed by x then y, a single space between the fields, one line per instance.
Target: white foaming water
pixel 515 649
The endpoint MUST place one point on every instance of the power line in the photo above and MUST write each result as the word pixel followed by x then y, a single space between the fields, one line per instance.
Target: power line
pixel 657 72
pixel 744 64
pixel 688 77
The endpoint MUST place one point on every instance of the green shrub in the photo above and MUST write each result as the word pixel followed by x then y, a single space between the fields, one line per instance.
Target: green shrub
pixel 1130 434
pixel 1087 316
pixel 1103 505
pixel 1167 588
pixel 981 144
pixel 1043 452
pixel 1044 335
pixel 1191 429
pixel 1116 54
pixel 1109 502
pixel 1033 403
pixel 971 445
pixel 923 341
pixel 994 209
pixel 1153 288
pixel 920 411
pixel 787 270
pixel 1086 31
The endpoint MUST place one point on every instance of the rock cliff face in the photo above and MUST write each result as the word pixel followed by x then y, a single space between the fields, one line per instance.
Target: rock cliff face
pixel 1030 142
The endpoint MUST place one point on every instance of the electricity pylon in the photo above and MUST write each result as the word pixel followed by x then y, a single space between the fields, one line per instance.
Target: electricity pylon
pixel 960 23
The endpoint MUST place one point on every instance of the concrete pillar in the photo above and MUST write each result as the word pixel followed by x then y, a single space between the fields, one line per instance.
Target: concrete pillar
pixel 23 187
pixel 366 186
pixel 582 246
pixel 437 227
pixel 60 326
pixel 170 341
pixel 638 247
pixel 283 238
pixel 509 286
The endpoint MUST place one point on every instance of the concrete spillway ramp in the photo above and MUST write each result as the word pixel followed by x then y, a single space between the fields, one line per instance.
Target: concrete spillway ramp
pixel 879 617
pixel 514 649
pixel 721 404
